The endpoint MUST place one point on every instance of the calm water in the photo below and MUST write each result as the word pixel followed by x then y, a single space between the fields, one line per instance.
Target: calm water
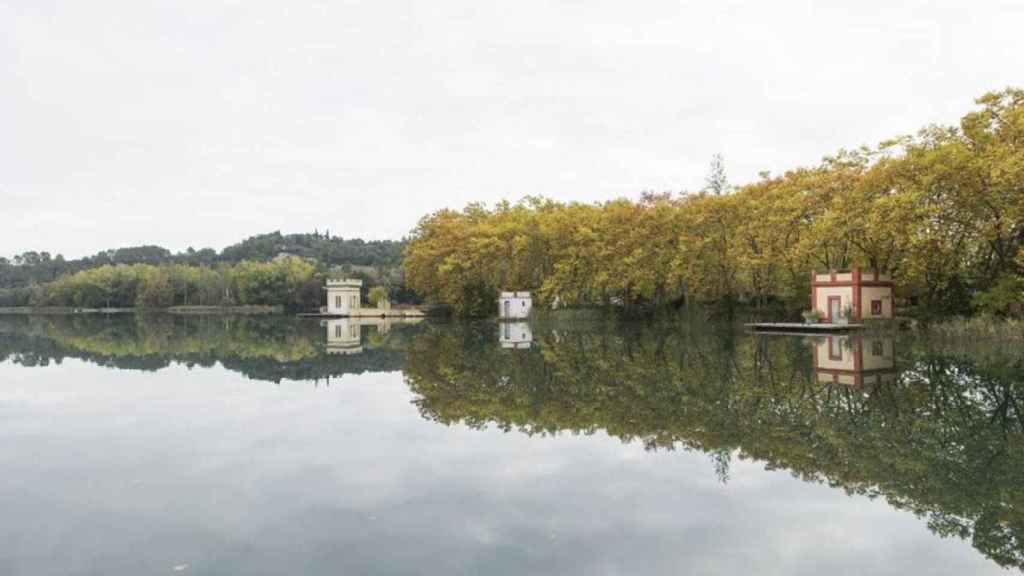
pixel 278 446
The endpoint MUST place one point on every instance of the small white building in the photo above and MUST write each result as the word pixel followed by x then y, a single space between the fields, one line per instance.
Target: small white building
pixel 343 297
pixel 855 294
pixel 514 305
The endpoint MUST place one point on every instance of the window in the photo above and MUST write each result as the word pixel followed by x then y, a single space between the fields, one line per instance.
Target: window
pixel 876 307
pixel 355 301
pixel 337 301
pixel 337 331
pixel 877 348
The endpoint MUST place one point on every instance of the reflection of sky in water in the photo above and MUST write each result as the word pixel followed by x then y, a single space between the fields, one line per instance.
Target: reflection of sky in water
pixel 116 472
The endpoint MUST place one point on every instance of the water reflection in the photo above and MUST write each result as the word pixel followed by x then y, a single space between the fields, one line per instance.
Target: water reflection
pixel 854 360
pixel 343 336
pixel 515 335
pixel 935 430
pixel 262 348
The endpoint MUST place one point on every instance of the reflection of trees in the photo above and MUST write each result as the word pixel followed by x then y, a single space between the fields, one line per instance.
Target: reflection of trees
pixel 943 441
pixel 261 348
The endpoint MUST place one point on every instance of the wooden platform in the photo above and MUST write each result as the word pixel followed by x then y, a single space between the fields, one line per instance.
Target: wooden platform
pixel 801 328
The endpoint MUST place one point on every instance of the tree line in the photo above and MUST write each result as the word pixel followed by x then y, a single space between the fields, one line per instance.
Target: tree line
pixel 201 271
pixel 943 210
pixel 34 267
pixel 291 282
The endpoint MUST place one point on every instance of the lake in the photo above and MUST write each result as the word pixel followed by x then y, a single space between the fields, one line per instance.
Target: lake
pixel 272 445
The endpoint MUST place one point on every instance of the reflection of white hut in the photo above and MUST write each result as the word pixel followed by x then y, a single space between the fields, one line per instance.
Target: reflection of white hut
pixel 515 335
pixel 344 336
pixel 854 360
pixel 343 297
pixel 514 305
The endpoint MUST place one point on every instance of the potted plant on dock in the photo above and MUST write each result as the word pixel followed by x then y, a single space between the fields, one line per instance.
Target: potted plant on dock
pixel 811 316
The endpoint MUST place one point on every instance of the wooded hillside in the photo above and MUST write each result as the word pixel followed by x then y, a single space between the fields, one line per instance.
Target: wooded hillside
pixel 22 276
pixel 943 210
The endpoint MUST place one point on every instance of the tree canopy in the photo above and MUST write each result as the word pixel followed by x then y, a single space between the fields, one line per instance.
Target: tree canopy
pixel 22 277
pixel 291 282
pixel 942 210
pixel 32 267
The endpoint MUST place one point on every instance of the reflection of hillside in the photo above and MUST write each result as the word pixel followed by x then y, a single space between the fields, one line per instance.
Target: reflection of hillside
pixel 941 438
pixel 260 348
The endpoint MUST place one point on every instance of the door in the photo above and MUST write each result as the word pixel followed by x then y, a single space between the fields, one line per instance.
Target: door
pixel 835 309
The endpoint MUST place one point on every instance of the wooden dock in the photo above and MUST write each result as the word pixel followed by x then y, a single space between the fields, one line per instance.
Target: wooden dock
pixel 802 328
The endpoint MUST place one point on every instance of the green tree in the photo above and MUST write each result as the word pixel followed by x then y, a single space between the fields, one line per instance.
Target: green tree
pixel 154 288
pixel 377 294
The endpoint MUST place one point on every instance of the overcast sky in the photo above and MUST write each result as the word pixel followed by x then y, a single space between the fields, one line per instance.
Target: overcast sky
pixel 200 123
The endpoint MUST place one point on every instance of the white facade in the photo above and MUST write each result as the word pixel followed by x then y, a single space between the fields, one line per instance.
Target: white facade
pixel 864 293
pixel 343 297
pixel 514 305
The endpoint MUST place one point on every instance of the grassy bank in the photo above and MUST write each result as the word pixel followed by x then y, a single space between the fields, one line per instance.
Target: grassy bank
pixel 986 328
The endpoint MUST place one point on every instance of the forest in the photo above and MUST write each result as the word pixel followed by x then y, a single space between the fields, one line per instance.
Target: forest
pixel 243 273
pixel 943 210
pixel 291 282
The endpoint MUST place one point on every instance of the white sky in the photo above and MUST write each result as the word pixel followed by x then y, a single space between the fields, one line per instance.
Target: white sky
pixel 200 123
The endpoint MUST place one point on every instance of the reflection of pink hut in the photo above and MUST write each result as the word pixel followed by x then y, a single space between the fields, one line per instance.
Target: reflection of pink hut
pixel 854 360
pixel 868 294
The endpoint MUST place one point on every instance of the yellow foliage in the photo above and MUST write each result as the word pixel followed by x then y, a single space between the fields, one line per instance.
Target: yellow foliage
pixel 942 210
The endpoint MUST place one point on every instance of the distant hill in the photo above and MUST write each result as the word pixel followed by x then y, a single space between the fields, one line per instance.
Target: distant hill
pixel 32 267
pixel 332 251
